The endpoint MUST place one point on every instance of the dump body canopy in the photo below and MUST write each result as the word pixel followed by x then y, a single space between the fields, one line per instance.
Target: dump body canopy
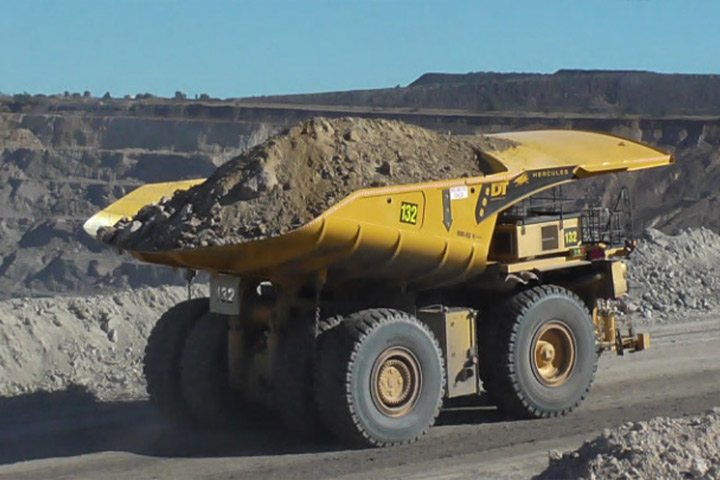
pixel 587 152
pixel 444 241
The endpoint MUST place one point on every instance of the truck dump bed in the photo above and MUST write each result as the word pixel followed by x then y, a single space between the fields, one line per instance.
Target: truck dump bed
pixel 426 234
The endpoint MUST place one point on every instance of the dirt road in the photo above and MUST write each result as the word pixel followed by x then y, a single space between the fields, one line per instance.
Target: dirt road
pixel 70 435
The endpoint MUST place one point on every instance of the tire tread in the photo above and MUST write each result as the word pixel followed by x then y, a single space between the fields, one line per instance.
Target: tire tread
pixel 333 390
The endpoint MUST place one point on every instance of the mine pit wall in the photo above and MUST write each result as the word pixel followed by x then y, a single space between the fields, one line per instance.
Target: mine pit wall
pixel 58 169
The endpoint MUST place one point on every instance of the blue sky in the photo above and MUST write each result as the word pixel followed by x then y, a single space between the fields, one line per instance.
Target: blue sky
pixel 244 48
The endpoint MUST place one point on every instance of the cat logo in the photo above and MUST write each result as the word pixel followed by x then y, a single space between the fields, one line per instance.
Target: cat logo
pixel 521 180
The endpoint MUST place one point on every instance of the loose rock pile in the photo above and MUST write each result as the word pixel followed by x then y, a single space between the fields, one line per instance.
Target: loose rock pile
pixel 291 178
pixel 674 278
pixel 666 448
pixel 95 342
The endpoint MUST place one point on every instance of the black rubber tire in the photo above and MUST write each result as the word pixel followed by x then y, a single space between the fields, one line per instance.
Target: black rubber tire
pixel 204 374
pixel 161 363
pixel 506 341
pixel 345 358
pixel 293 376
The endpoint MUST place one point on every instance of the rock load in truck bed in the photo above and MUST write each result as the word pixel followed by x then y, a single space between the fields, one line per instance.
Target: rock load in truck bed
pixel 293 177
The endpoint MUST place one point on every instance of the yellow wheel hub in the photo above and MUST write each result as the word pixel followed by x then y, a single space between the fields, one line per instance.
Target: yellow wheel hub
pixel 395 381
pixel 553 354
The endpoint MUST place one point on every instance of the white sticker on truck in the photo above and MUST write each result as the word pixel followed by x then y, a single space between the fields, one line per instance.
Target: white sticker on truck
pixel 456 193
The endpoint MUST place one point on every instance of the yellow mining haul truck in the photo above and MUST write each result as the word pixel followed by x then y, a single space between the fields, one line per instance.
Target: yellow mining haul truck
pixel 367 318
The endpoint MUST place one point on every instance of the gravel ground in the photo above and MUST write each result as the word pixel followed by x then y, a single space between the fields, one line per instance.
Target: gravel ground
pixel 291 178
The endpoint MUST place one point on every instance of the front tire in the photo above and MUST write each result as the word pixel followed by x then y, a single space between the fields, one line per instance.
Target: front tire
pixel 539 353
pixel 380 378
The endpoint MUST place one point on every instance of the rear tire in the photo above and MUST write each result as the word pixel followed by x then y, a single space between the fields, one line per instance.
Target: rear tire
pixel 161 363
pixel 204 371
pixel 380 378
pixel 539 353
pixel 293 377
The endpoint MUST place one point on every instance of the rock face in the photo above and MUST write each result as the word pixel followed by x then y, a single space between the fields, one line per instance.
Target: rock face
pixel 288 180
pixel 596 91
pixel 660 448
pixel 674 278
pixel 56 171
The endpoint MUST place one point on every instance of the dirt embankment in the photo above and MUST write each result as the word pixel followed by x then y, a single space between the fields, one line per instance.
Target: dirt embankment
pixel 568 91
pixel 291 178
pixel 93 342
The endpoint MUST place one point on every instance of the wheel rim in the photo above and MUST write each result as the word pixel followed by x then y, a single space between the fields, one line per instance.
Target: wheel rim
pixel 553 354
pixel 395 381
